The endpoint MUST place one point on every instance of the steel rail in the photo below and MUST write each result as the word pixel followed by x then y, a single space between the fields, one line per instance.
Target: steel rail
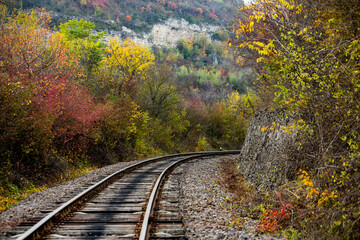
pixel 40 228
pixel 145 228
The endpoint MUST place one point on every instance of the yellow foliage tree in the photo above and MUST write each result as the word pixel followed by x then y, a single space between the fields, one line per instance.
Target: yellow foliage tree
pixel 127 61
pixel 309 62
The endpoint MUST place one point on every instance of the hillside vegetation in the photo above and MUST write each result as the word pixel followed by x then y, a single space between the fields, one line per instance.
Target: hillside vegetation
pixel 138 15
pixel 71 102
pixel 308 56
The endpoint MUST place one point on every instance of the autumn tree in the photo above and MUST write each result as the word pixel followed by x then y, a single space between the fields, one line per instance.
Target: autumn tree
pixel 124 131
pixel 229 119
pixel 86 44
pixel 159 96
pixel 158 92
pixel 127 62
pixel 308 57
pixel 41 106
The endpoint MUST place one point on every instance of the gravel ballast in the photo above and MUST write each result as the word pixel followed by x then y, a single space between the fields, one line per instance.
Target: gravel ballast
pixel 206 212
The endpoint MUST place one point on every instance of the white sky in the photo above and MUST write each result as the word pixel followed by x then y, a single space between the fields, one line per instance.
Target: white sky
pixel 248 1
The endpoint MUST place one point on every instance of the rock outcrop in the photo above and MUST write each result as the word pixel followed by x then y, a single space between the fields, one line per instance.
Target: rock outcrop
pixel 166 33
pixel 263 159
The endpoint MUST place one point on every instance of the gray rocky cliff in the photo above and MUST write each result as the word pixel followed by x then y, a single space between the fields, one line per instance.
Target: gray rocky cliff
pixel 263 159
pixel 166 33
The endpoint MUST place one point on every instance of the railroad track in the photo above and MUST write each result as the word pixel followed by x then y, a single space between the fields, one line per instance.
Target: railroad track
pixel 133 203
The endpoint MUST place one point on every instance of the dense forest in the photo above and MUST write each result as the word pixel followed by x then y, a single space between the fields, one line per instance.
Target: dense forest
pixel 71 102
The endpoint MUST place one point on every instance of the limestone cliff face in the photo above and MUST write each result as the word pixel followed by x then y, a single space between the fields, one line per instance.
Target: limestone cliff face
pixel 166 33
pixel 263 159
pixel 173 30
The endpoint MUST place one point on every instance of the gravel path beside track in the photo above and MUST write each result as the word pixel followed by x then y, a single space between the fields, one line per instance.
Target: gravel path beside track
pixel 206 211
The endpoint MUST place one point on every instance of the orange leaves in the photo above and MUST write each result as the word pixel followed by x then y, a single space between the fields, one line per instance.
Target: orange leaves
pixel 274 217
pixel 27 49
pixel 308 183
pixel 128 18
pixel 264 128
pixel 102 3
pixel 200 11
pixel 317 196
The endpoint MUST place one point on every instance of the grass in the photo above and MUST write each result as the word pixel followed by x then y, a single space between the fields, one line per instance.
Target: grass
pixel 12 194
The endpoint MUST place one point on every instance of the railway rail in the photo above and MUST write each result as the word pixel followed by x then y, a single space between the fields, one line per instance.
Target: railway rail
pixel 133 203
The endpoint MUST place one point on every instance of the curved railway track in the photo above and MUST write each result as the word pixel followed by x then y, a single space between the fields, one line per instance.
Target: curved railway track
pixel 133 203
